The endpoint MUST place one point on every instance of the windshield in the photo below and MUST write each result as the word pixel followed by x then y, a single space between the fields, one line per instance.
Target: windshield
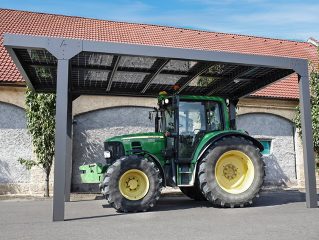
pixel 193 117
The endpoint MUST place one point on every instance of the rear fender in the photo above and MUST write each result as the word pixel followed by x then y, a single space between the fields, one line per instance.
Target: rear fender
pixel 229 134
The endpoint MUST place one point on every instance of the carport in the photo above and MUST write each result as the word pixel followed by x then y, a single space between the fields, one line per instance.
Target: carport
pixel 72 67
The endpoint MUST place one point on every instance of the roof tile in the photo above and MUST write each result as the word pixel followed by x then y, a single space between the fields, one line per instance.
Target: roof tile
pixel 23 22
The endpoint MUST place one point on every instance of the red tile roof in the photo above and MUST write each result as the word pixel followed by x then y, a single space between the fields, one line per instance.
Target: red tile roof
pixel 23 22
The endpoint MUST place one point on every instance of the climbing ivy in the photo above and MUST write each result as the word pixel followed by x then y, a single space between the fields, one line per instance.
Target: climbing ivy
pixel 314 100
pixel 40 114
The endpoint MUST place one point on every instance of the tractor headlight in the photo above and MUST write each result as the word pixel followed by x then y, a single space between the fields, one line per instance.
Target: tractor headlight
pixel 166 100
pixel 107 154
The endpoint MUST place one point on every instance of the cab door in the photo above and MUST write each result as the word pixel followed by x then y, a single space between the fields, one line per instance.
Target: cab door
pixel 191 125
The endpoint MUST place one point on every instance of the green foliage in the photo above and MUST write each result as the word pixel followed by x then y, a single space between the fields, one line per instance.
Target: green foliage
pixel 40 113
pixel 314 99
pixel 27 163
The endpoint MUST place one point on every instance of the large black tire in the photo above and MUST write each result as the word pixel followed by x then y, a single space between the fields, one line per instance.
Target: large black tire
pixel 207 179
pixel 112 178
pixel 193 193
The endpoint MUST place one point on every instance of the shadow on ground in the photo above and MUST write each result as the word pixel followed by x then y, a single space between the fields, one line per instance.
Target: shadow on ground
pixel 274 198
pixel 180 202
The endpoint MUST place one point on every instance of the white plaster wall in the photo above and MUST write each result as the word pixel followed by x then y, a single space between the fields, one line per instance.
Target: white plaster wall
pixel 92 128
pixel 15 142
pixel 281 162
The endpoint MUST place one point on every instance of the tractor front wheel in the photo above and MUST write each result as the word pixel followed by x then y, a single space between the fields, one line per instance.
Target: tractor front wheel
pixel 232 172
pixel 132 184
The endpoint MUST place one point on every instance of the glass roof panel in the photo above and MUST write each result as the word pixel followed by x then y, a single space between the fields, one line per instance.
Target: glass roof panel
pixel 179 65
pixel 136 62
pixel 40 56
pixel 129 77
pixel 203 81
pixel 216 69
pixel 44 74
pixel 96 75
pixel 167 79
pixel 92 59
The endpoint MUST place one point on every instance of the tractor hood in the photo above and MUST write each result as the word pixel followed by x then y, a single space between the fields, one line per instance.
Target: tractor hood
pixel 137 136
pixel 151 142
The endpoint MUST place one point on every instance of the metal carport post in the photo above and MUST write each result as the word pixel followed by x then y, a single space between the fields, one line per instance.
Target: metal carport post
pixel 65 49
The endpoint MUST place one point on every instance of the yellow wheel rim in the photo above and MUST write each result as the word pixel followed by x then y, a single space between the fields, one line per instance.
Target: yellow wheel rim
pixel 234 172
pixel 134 184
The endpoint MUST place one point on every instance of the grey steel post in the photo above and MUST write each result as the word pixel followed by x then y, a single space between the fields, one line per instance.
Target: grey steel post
pixel 68 163
pixel 307 141
pixel 62 139
pixel 232 113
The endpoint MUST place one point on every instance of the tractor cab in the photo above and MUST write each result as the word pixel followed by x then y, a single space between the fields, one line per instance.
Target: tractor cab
pixel 187 119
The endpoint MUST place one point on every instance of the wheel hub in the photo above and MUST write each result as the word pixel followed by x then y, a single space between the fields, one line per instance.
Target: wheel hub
pixel 134 184
pixel 230 171
pixel 234 172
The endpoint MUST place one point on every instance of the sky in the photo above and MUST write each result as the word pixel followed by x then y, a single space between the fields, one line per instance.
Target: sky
pixel 285 19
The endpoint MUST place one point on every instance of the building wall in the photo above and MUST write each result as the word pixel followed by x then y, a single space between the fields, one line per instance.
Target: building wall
pixel 15 142
pixel 92 128
pixel 281 162
pixel 282 108
pixel 99 117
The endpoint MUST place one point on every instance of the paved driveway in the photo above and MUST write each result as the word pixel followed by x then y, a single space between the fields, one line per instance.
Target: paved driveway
pixel 276 215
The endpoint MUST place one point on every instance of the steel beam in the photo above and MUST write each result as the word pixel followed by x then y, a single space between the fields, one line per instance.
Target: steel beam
pixel 307 141
pixel 115 66
pixel 200 71
pixel 232 113
pixel 71 46
pixel 162 63
pixel 68 163
pixel 62 139
pixel 20 67
pixel 128 70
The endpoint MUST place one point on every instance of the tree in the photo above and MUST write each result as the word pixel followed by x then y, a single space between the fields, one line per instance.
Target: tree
pixel 314 100
pixel 40 114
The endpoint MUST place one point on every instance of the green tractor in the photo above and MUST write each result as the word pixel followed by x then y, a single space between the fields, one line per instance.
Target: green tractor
pixel 195 146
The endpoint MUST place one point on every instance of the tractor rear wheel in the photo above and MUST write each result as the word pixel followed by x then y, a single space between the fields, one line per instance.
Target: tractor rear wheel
pixel 132 184
pixel 231 173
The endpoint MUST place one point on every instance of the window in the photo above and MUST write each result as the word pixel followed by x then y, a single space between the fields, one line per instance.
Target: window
pixel 191 117
pixel 267 146
pixel 213 117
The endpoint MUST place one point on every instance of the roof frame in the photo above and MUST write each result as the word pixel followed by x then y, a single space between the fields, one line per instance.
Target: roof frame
pixel 64 49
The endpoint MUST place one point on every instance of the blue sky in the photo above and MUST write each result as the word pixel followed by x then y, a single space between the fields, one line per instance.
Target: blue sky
pixel 287 19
